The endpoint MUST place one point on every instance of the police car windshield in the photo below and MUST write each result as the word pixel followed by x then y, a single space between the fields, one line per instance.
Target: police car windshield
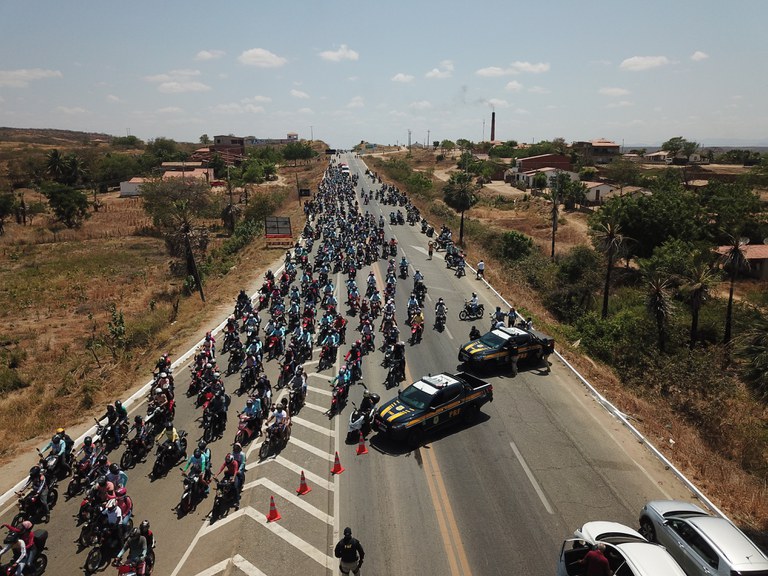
pixel 415 398
pixel 492 340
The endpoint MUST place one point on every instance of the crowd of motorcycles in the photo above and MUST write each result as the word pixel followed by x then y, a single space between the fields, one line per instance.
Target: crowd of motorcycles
pixel 302 314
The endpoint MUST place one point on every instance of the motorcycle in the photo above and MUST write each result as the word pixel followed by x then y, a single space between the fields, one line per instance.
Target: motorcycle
pixel 168 454
pixel 236 359
pixel 136 452
pixel 361 418
pixel 417 330
pixel 468 314
pixel 31 508
pixel 338 398
pixel 79 477
pixel 403 270
pixel 440 322
pixel 127 568
pixel 229 341
pixel 247 428
pixel 192 494
pixel 224 500
pixel 213 425
pixel 247 381
pixel 108 544
pixel 274 441
pixel 295 402
pixel 39 564
pixel 327 357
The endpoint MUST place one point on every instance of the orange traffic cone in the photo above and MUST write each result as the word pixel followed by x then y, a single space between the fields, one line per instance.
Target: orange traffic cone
pixel 303 488
pixel 273 515
pixel 337 469
pixel 361 447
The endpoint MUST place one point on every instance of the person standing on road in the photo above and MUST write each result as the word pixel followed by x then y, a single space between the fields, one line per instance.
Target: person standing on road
pixel 480 270
pixel 430 249
pixel 596 562
pixel 350 553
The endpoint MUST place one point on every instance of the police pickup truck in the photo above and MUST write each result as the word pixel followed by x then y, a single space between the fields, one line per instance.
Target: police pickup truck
pixel 506 346
pixel 430 402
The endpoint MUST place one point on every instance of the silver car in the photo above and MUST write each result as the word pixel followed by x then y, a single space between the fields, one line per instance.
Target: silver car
pixel 704 545
pixel 628 553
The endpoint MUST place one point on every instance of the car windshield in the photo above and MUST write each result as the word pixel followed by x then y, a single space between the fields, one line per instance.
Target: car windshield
pixel 492 340
pixel 415 398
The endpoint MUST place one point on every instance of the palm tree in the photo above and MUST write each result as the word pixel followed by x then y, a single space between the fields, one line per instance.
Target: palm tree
pixel 697 282
pixel 609 241
pixel 734 259
pixel 460 193
pixel 658 302
pixel 754 352
pixel 55 165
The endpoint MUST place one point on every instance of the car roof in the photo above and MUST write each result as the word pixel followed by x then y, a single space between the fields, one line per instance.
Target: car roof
pixel 648 559
pixel 603 531
pixel 740 551
pixel 676 508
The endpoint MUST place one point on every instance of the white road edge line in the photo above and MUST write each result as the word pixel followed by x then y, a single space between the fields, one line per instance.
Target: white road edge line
pixel 531 478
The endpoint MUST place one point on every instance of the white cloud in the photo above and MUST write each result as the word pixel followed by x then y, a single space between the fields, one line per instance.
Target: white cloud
pixel 492 71
pixel 444 70
pixel 513 86
pixel 356 102
pixel 261 58
pixel 209 54
pixel 74 111
pixel 400 77
pixel 170 110
pixel 305 111
pixel 613 91
pixel 639 63
pixel 22 77
pixel 621 104
pixel 343 53
pixel 113 98
pixel 173 76
pixel 257 98
pixel 245 106
pixel 182 87
pixel 538 90
pixel 299 94
pixel 514 68
pixel 420 105
pixel 498 103
pixel 698 56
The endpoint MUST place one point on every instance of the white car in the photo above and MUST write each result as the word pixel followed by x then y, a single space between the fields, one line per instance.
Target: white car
pixel 628 553
pixel 704 545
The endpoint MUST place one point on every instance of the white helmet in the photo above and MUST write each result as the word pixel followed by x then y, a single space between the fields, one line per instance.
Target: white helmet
pixel 158 391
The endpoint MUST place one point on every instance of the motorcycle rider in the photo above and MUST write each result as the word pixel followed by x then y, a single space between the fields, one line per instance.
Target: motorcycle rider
pixel 299 383
pixel 118 477
pixel 231 468
pixel 206 453
pixel 198 462
pixel 141 429
pixel 417 321
pixel 103 491
pixel 125 503
pixel 473 304
pixel 398 358
pixel 58 448
pixel 474 333
pixel 89 450
pixel 169 435
pixel 136 546
pixel 113 518
pixel 440 308
pixel 38 485
pixel 252 413
pixel 280 416
pixel 113 418
pixel 239 456
pixel 25 541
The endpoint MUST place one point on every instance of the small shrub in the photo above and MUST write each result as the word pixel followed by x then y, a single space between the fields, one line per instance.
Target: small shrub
pixel 514 246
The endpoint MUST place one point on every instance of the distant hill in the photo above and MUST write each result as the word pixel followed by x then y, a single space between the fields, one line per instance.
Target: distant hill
pixel 52 137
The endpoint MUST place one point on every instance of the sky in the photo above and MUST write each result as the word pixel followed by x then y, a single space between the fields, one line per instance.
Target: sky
pixel 637 73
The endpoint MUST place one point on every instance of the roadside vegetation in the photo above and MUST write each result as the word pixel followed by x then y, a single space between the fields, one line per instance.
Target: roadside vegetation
pixel 93 287
pixel 635 293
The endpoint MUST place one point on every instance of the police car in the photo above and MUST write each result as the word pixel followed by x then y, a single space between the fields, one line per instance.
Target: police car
pixel 500 345
pixel 430 402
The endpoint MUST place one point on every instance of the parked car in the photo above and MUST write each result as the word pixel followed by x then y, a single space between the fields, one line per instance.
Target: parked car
pixel 704 545
pixel 628 553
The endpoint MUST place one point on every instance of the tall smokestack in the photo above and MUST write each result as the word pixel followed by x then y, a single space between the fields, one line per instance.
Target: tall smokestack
pixel 493 126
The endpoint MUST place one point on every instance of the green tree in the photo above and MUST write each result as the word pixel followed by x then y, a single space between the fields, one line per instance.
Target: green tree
pixel 588 173
pixel 75 172
pixel 447 146
pixel 697 281
pixel 218 165
pixel 680 146
pixel 733 260
pixel 623 173
pixel 658 301
pixel 70 206
pixel 298 151
pixel 540 181
pixel 753 351
pixel 205 140
pixel 113 168
pixel 608 239
pixel 514 246
pixel 578 278
pixel 460 193
pixel 55 165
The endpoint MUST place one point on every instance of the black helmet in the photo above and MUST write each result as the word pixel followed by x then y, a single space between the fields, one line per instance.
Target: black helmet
pixel 118 404
pixel 56 439
pixel 87 441
pixel 135 533
pixel 110 408
pixel 138 419
pixel 202 445
pixel 197 453
pixel 34 471
pixel 169 425
pixel 144 527
pixel 347 532
pixel 101 460
pixel 102 481
pixel 114 468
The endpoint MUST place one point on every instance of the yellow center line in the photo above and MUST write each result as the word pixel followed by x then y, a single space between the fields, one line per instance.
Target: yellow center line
pixel 449 531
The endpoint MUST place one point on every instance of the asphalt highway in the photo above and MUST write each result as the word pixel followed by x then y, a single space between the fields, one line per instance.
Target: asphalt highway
pixel 496 497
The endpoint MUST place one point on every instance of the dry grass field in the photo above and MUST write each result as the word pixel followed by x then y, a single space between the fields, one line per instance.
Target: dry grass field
pixel 57 289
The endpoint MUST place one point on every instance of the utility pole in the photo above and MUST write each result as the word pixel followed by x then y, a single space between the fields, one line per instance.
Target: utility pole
pixel 483 130
pixel 409 139
pixel 312 133
pixel 428 139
